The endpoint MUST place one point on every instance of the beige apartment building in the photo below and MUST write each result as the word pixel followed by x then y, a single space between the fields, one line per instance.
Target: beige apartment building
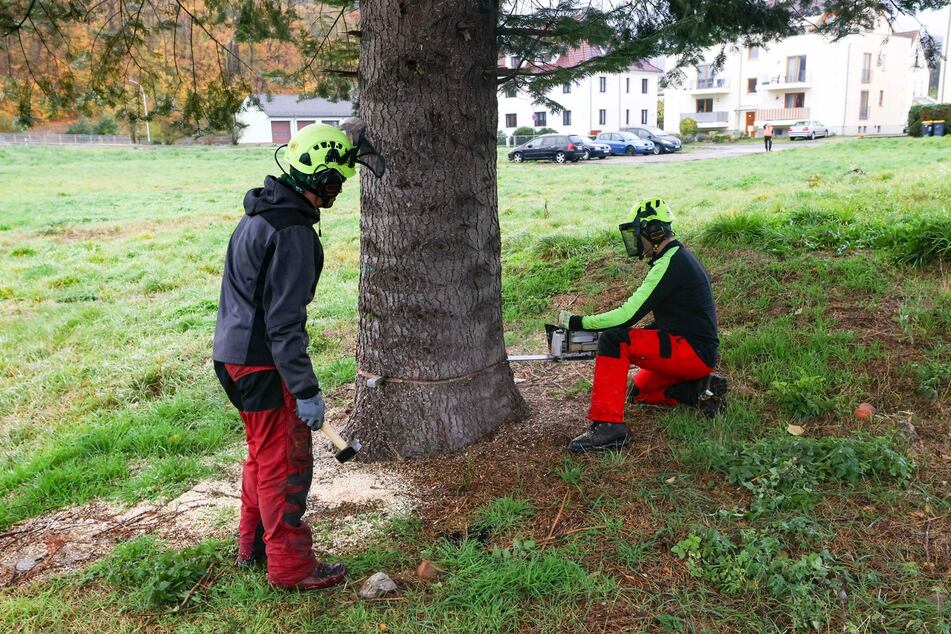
pixel 862 84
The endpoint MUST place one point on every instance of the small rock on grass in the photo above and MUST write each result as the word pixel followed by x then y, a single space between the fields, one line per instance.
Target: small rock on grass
pixel 376 586
pixel 426 570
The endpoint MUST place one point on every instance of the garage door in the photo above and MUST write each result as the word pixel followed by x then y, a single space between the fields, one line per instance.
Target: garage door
pixel 280 131
pixel 303 122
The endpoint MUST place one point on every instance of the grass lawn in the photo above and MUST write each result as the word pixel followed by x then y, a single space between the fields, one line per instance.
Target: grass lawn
pixel 830 271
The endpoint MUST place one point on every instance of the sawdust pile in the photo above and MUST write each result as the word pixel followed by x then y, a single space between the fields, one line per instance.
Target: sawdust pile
pixel 346 505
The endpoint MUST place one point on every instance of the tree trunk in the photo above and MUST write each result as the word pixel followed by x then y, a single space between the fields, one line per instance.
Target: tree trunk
pixel 430 262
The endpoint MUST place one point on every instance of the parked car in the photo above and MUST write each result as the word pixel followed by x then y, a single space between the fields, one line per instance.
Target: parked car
pixel 626 143
pixel 807 130
pixel 594 149
pixel 552 147
pixel 663 142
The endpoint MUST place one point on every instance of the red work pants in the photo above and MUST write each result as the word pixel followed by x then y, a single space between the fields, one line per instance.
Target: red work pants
pixel 277 472
pixel 660 366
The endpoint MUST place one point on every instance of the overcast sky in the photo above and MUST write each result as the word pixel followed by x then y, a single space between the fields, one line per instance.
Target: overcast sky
pixel 935 21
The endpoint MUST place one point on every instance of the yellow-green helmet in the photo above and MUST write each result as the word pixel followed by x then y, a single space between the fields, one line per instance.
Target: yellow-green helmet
pixel 318 147
pixel 651 209
pixel 650 218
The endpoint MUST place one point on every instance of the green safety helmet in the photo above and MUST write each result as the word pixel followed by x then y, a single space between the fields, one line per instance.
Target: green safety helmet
pixel 650 218
pixel 321 157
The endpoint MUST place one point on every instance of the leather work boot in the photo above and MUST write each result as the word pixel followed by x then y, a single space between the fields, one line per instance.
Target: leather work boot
pixel 707 394
pixel 600 437
pixel 323 576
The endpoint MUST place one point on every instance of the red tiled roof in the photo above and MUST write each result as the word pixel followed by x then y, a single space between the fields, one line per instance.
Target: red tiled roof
pixel 574 56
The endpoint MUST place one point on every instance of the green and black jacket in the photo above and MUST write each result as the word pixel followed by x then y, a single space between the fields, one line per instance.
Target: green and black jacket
pixel 677 291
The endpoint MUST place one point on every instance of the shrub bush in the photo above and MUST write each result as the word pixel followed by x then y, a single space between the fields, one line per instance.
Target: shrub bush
pixel 82 125
pixel 932 112
pixel 524 131
pixel 106 124
pixel 688 126
pixel 547 131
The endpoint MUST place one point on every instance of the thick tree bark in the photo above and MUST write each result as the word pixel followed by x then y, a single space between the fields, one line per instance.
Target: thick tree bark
pixel 430 263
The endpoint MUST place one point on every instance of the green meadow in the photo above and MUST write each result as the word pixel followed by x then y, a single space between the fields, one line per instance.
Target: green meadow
pixel 830 268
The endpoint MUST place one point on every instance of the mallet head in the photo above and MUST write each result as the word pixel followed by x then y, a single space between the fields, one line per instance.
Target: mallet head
pixel 349 451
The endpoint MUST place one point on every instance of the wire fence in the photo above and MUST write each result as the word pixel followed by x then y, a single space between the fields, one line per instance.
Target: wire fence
pixel 63 139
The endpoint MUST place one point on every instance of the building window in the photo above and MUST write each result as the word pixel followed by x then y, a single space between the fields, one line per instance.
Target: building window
pixel 796 69
pixel 510 91
pixel 511 121
pixel 566 117
pixel 705 105
pixel 795 100
pixel 863 105
pixel 603 84
pixel 541 119
pixel 881 98
pixel 644 86
pixel 513 61
pixel 602 117
pixel 627 84
pixel 566 89
pixel 334 122
pixel 644 117
pixel 751 84
pixel 627 117
pixel 705 76
pixel 866 68
pixel 752 52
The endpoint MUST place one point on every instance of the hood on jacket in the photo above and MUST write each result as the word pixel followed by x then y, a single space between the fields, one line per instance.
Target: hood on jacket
pixel 277 195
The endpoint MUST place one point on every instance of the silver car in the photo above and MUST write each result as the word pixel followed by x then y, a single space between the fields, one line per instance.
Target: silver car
pixel 807 130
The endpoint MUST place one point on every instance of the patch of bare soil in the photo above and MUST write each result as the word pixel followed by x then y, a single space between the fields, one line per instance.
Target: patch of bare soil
pixel 346 504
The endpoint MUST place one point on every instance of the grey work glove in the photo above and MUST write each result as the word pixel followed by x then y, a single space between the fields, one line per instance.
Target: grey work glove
pixel 311 411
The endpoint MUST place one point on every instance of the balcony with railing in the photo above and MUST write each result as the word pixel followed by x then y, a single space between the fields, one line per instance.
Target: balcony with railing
pixel 782 114
pixel 708 86
pixel 708 119
pixel 785 81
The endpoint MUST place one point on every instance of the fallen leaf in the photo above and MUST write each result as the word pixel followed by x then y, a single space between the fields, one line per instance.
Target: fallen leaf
pixel 667 571
pixel 917 515
pixel 383 627
pixel 928 510
pixel 671 479
pixel 945 457
pixel 796 430
pixel 519 379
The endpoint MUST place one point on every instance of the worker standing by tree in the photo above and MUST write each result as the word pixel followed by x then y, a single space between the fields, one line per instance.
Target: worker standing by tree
pixel 768 136
pixel 675 355
pixel 273 263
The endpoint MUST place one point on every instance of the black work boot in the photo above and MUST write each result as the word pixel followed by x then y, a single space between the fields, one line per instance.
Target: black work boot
pixel 600 437
pixel 707 394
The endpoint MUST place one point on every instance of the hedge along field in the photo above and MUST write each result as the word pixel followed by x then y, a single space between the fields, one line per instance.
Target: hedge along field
pixel 107 305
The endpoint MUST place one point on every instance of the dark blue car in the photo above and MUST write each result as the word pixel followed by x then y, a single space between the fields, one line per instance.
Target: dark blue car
pixel 626 143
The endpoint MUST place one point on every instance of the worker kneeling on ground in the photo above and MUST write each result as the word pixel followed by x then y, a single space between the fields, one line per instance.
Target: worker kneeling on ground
pixel 273 263
pixel 675 355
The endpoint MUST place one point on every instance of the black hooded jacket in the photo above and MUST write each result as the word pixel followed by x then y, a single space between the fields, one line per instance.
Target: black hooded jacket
pixel 274 261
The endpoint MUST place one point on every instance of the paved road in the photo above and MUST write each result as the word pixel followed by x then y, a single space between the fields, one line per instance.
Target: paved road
pixel 717 150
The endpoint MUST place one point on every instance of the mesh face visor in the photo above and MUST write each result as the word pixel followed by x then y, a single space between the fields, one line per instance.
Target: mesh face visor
pixel 632 242
pixel 362 151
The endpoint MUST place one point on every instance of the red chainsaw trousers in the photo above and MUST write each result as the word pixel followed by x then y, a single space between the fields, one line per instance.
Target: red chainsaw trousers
pixel 663 360
pixel 277 473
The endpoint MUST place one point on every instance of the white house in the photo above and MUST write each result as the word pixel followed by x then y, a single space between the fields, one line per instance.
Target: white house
pixel 279 116
pixel 862 84
pixel 591 105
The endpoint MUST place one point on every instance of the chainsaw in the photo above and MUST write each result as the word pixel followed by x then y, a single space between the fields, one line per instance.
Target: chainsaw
pixel 564 345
